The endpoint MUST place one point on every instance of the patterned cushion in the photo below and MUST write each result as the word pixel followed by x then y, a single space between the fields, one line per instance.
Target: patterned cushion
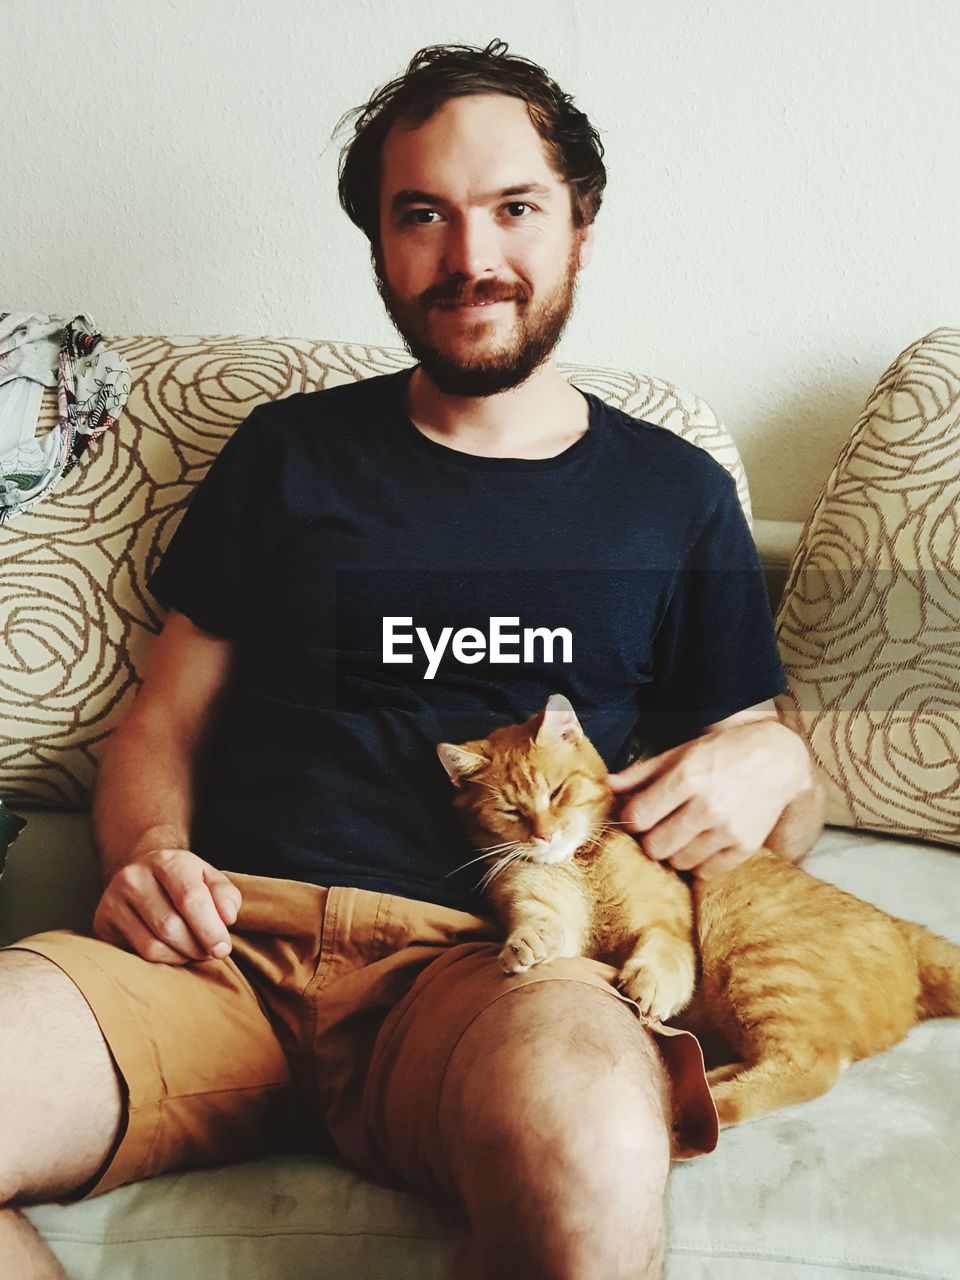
pixel 869 622
pixel 78 619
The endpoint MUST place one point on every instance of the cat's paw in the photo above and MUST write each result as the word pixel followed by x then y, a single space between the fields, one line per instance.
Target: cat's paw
pixel 534 942
pixel 729 1103
pixel 660 978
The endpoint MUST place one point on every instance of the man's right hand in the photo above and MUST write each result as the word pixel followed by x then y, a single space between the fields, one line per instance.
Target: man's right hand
pixel 168 906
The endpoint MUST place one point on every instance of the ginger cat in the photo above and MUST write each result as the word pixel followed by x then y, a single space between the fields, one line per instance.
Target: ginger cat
pixel 564 881
pixel 797 977
pixel 800 979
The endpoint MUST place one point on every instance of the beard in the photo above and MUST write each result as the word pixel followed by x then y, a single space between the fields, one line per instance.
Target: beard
pixel 499 362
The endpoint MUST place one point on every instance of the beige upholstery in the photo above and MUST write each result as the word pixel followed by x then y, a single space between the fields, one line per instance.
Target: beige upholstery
pixel 869 622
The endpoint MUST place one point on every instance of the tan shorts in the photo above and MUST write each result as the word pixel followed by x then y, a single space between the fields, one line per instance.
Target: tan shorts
pixel 327 1029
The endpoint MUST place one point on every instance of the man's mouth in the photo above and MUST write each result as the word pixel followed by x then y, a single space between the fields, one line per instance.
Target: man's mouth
pixel 469 306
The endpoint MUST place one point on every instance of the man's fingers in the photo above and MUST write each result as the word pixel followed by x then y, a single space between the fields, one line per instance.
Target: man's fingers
pixel 165 894
pixel 670 837
pixel 125 929
pixel 700 850
pixel 658 799
pixel 640 771
pixel 168 922
pixel 226 896
pixel 140 886
pixel 198 913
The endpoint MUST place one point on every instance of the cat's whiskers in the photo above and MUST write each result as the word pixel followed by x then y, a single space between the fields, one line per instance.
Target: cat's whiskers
pixel 497 791
pixel 486 853
pixel 600 831
pixel 500 865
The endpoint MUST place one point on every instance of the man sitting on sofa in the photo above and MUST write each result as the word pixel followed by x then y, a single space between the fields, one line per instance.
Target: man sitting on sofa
pixel 285 954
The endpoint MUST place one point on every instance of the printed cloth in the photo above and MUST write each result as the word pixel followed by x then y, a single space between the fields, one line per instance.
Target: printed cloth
pixel 93 384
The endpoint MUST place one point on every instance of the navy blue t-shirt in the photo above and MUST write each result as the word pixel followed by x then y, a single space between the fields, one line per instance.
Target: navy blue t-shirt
pixel 387 592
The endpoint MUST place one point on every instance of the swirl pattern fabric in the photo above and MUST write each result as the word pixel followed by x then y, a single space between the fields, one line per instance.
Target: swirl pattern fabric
pixel 869 620
pixel 76 620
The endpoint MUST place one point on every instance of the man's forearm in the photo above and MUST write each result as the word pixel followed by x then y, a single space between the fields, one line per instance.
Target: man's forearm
pixel 143 796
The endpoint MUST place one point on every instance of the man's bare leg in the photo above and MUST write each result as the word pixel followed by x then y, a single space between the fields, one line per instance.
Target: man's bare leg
pixel 60 1103
pixel 23 1255
pixel 554 1119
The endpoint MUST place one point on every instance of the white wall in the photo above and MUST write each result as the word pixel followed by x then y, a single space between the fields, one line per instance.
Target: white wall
pixel 780 221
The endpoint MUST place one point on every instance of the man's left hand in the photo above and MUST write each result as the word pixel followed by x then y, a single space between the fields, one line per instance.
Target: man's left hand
pixel 708 804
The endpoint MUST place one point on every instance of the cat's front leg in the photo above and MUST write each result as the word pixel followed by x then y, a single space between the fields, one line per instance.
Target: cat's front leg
pixel 535 939
pixel 545 914
pixel 649 916
pixel 660 974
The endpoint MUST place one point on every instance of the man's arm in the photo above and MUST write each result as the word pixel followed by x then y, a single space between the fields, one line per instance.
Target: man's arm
pixel 160 899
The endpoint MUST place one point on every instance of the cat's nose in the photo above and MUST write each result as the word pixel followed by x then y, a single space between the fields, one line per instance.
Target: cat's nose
pixel 543 833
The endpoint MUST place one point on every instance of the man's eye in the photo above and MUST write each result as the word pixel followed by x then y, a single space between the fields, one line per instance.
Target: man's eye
pixel 518 204
pixel 414 216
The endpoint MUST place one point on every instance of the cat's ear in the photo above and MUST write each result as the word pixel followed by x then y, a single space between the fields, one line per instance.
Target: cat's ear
pixel 559 722
pixel 459 762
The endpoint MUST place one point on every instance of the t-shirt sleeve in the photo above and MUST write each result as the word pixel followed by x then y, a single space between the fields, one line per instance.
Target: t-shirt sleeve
pixel 715 652
pixel 209 566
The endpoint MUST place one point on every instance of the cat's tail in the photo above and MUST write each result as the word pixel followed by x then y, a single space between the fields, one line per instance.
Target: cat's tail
pixel 938 964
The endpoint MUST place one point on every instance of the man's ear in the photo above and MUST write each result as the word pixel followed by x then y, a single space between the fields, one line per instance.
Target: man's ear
pixel 586 244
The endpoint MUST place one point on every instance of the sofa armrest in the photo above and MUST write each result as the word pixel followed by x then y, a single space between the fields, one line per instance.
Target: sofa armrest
pixel 52 876
pixel 776 541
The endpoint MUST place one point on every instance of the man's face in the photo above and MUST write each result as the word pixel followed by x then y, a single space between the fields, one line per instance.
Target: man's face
pixel 471 212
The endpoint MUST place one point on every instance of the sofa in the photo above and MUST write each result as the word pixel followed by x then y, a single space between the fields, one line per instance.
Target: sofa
pixel 859 1182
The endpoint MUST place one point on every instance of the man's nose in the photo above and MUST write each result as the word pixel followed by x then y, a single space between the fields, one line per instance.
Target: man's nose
pixel 471 245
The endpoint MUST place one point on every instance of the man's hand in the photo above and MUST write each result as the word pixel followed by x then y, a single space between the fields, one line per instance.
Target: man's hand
pixel 169 906
pixel 708 804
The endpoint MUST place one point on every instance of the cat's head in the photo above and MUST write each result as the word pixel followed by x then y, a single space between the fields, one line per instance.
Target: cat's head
pixel 540 785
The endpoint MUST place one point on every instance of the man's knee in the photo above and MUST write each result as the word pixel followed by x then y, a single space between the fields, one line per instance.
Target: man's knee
pixel 562 1074
pixel 554 1127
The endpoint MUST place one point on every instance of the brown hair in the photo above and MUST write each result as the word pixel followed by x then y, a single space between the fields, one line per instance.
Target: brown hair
pixel 443 71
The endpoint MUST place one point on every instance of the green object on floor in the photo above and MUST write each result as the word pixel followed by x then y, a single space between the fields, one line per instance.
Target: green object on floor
pixel 10 827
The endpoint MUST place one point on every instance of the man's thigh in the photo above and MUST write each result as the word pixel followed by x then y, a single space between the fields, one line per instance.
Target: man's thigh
pixel 416 1051
pixel 201 1076
pixel 60 1096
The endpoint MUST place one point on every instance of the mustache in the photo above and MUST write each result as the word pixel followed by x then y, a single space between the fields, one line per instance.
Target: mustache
pixel 462 294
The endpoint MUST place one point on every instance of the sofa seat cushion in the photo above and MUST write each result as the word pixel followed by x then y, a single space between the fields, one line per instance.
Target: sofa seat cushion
pixel 862 1180
pixel 277 1218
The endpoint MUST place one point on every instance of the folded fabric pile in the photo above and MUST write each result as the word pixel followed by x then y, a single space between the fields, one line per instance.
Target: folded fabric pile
pixel 92 383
